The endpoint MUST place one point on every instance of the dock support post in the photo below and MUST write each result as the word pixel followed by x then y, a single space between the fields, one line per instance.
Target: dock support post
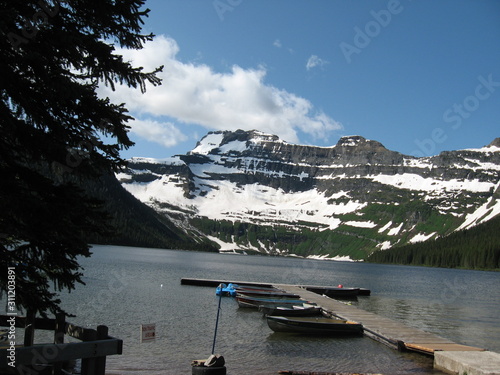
pixel 88 364
pixel 100 362
pixel 401 346
pixel 29 328
pixel 59 330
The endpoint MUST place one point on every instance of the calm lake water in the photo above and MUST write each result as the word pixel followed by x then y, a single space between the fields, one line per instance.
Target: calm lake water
pixel 127 287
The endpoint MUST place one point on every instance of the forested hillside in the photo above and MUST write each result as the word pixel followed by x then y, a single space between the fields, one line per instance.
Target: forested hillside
pixel 476 248
pixel 136 224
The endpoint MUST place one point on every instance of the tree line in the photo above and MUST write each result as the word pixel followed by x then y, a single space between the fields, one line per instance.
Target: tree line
pixel 475 248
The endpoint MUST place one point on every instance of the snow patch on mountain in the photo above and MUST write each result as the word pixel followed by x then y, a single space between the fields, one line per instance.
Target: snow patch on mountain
pixel 351 141
pixel 173 160
pixel 485 212
pixel 208 143
pixel 224 246
pixel 422 237
pixel 395 231
pixel 233 147
pixel 385 245
pixel 485 149
pixel 165 189
pixel 416 182
pixel 424 163
pixel 225 200
pixel 337 258
pixel 361 224
pixel 255 203
pixel 385 227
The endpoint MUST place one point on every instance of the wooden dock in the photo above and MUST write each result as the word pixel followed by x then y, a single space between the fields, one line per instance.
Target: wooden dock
pixel 388 331
pixel 448 355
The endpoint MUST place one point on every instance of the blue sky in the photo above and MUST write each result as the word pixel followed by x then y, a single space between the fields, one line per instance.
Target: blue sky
pixel 418 76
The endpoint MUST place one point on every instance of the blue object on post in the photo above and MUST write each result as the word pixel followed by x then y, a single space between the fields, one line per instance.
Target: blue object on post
pixel 226 290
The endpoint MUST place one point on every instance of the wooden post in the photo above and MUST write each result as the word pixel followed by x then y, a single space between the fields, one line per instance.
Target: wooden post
pixel 29 328
pixel 60 329
pixel 100 365
pixel 88 364
pixel 59 339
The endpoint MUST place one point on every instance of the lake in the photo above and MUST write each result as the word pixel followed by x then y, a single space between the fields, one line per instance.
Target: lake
pixel 126 287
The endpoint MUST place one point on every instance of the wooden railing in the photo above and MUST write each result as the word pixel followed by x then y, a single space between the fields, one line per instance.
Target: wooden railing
pixel 49 358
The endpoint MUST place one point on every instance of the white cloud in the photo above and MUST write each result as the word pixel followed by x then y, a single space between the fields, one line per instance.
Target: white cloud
pixel 315 61
pixel 195 94
pixel 163 133
pixel 277 43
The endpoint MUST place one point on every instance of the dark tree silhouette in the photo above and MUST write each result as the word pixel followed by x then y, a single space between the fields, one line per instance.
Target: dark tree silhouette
pixel 55 131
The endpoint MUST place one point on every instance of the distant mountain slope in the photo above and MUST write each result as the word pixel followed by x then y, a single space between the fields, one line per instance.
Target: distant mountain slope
pixel 137 224
pixel 475 248
pixel 251 191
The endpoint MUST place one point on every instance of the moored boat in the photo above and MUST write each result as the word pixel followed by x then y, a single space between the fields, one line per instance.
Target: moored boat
pixel 313 326
pixel 258 288
pixel 335 292
pixel 249 301
pixel 234 289
pixel 268 294
pixel 294 310
pixel 342 292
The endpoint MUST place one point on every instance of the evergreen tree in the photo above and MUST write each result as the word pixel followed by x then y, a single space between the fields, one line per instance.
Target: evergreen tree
pixel 56 131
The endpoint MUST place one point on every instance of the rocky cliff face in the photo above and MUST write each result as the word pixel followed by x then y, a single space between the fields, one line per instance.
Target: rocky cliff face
pixel 248 190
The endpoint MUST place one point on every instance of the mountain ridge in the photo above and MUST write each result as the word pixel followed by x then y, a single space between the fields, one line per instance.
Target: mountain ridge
pixel 249 190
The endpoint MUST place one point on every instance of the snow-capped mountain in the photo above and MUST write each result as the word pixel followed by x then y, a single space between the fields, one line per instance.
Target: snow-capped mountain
pixel 247 190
